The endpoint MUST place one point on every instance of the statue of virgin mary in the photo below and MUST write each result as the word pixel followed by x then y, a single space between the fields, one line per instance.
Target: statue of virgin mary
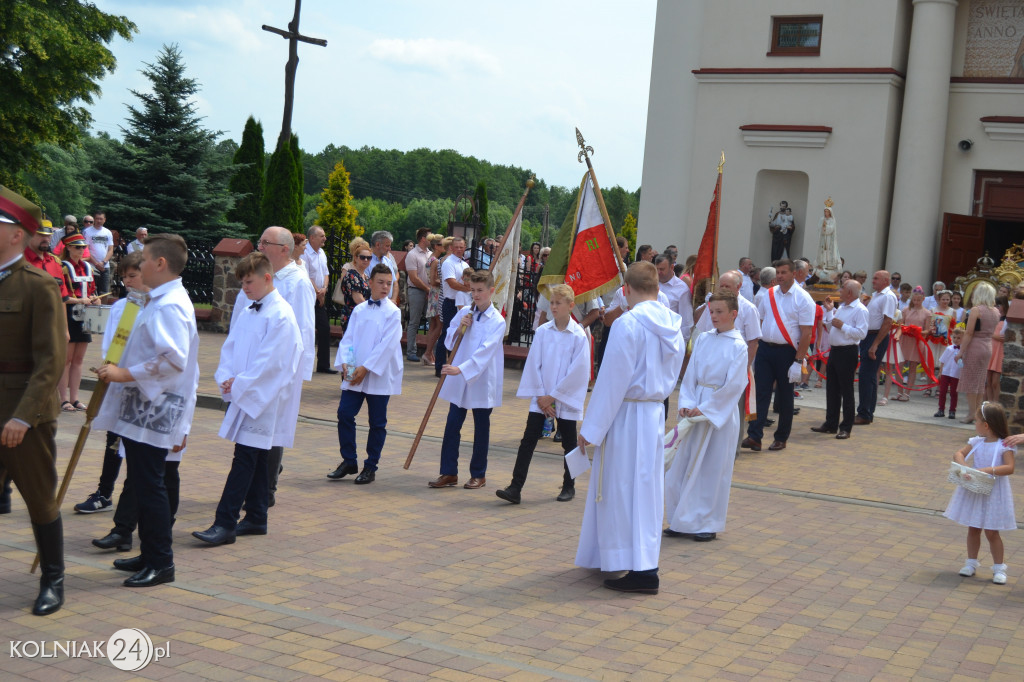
pixel 828 264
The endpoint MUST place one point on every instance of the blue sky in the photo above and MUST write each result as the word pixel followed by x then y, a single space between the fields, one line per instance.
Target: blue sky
pixel 505 82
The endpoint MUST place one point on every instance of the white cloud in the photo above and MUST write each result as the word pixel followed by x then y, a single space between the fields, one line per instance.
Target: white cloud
pixel 446 57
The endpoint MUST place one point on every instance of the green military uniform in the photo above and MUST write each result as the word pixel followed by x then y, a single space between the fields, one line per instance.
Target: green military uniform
pixel 34 348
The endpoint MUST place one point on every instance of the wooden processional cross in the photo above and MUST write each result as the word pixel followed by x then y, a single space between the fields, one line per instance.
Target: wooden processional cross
pixel 293 36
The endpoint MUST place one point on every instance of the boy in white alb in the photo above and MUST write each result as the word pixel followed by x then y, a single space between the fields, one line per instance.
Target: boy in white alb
pixel 622 520
pixel 474 382
pixel 697 484
pixel 949 379
pixel 256 370
pixel 555 378
pixel 372 343
pixel 151 400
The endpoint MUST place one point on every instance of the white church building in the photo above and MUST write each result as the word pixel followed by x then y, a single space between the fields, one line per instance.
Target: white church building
pixel 909 114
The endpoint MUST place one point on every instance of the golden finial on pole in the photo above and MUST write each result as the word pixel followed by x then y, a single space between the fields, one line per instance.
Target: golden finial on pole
pixel 585 149
pixel 721 163
pixel 531 181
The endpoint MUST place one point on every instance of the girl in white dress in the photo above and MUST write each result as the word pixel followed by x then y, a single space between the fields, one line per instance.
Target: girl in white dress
pixel 991 513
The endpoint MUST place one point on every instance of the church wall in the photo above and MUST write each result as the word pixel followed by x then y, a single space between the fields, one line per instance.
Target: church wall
pixel 855 166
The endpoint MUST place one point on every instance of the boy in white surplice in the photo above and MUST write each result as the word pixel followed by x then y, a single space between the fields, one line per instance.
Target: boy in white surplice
pixel 697 483
pixel 151 401
pixel 555 379
pixel 625 420
pixel 373 345
pixel 257 367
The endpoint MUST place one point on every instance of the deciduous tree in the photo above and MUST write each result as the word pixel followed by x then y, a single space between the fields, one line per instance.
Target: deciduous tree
pixel 52 57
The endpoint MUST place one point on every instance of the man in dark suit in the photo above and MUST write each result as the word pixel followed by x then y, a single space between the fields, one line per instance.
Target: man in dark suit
pixel 34 347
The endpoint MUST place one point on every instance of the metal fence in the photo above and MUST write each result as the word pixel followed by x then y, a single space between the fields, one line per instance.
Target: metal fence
pixel 198 281
pixel 197 276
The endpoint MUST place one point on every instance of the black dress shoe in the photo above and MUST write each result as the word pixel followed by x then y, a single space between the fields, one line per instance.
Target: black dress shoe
pixel 327 371
pixel 568 492
pixel 704 537
pixel 822 429
pixel 132 565
pixel 343 470
pixel 247 527
pixel 509 494
pixel 769 422
pixel 669 533
pixel 148 577
pixel 215 535
pixel 113 539
pixel 365 476
pixel 557 437
pixel 796 411
pixel 842 435
pixel 644 582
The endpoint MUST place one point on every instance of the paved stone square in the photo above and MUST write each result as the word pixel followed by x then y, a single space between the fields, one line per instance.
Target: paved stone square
pixel 836 565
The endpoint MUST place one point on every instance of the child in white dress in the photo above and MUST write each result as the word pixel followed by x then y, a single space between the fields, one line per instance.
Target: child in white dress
pixel 991 513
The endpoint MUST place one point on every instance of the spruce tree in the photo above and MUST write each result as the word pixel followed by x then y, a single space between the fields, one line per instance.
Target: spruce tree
pixel 336 212
pixel 247 182
pixel 165 175
pixel 281 202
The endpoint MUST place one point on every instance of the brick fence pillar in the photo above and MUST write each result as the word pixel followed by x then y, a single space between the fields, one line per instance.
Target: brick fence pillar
pixel 1011 387
pixel 225 287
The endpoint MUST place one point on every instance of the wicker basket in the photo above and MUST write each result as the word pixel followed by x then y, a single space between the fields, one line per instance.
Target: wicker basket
pixel 971 479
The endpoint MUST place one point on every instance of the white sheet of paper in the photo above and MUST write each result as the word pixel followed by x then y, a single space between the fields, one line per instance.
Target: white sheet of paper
pixel 577 462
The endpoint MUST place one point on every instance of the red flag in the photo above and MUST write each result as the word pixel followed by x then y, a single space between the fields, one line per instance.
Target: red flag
pixel 592 269
pixel 707 256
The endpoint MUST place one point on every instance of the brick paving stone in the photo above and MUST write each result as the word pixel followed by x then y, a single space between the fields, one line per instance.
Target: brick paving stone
pixel 397 581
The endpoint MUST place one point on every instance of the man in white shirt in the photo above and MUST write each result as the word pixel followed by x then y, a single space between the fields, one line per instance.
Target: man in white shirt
pixel 881 311
pixel 847 324
pixel 71 222
pixel 419 287
pixel 767 281
pixel 747 288
pixel 781 351
pixel 380 245
pixel 101 250
pixel 895 279
pixel 931 302
pixel 316 267
pixel 802 272
pixel 139 242
pixel 453 292
pixel 678 294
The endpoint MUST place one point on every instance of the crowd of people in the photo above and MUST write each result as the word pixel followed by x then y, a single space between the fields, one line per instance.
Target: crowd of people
pixel 758 334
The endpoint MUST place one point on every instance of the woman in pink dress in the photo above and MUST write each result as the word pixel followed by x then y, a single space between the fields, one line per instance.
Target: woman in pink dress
pixel 976 350
pixel 914 315
pixel 995 365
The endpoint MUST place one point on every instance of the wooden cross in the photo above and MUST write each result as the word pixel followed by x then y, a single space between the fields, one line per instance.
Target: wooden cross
pixel 293 36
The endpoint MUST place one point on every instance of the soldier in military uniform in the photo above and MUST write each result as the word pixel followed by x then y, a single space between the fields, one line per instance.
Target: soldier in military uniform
pixel 32 338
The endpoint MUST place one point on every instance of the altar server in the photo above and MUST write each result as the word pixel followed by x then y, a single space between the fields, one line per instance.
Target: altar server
pixel 474 382
pixel 295 287
pixel 555 379
pixel 257 366
pixel 152 399
pixel 697 484
pixel 370 360
pixel 625 418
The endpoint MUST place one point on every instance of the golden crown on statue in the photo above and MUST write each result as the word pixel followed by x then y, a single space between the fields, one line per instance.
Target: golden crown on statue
pixel 829 202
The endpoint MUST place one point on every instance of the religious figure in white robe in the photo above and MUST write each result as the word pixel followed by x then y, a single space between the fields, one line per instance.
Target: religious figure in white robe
pixel 625 423
pixel 259 354
pixel 698 482
pixel 828 264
